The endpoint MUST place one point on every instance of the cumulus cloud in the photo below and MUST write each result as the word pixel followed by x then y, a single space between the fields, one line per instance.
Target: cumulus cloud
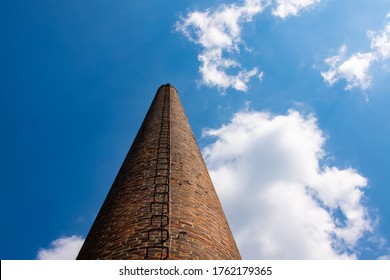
pixel 218 33
pixel 64 248
pixel 285 8
pixel 291 205
pixel 354 69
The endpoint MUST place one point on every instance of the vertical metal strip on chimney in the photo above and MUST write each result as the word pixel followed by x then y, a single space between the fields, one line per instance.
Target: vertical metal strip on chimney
pixel 170 170
pixel 158 234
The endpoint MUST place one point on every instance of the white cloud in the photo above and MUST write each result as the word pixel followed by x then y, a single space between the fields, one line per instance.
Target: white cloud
pixel 380 42
pixel 219 33
pixel 291 205
pixel 355 68
pixel 64 248
pixel 384 257
pixel 287 8
pixel 213 69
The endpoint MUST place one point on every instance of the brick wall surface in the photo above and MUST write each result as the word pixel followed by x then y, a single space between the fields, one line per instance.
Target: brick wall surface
pixel 162 204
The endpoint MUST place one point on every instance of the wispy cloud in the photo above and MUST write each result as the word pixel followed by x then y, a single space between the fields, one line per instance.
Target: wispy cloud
pixel 64 248
pixel 384 257
pixel 218 32
pixel 354 69
pixel 285 8
pixel 291 205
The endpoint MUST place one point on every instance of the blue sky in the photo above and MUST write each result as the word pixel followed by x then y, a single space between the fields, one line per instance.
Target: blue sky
pixel 287 100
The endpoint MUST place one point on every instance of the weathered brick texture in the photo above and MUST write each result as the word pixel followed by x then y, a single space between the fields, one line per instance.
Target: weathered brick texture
pixel 162 204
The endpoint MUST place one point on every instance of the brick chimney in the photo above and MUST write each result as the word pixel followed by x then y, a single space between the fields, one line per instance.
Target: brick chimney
pixel 162 204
